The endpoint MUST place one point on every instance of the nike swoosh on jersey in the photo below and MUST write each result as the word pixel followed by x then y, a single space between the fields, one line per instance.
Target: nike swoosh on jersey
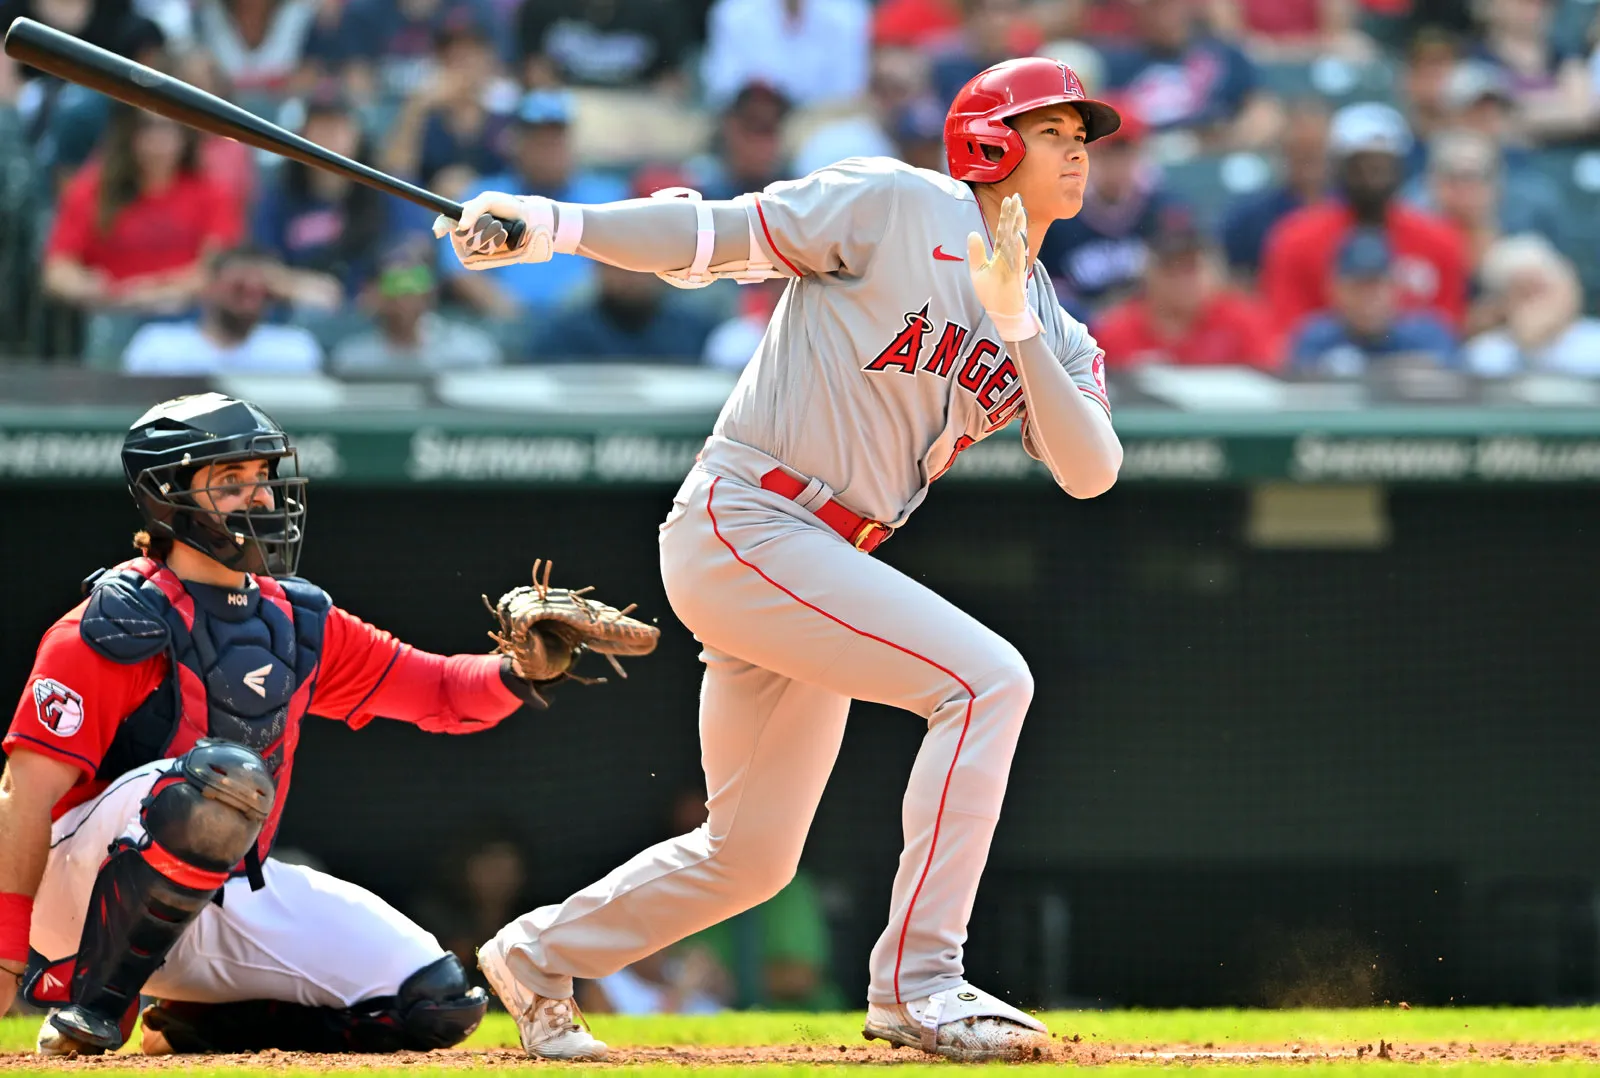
pixel 939 254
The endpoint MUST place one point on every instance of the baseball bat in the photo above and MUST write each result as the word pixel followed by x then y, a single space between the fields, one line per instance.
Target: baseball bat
pixel 75 60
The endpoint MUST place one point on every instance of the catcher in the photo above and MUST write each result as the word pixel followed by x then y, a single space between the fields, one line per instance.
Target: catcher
pixel 152 750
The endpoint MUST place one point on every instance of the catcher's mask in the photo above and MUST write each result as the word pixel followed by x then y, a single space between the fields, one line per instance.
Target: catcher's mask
pixel 168 445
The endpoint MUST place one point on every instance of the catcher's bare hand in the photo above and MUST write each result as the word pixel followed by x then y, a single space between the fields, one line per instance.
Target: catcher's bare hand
pixel 545 630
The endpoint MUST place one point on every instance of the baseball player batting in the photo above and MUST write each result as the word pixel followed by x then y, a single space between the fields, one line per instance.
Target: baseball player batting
pixel 916 323
pixel 151 753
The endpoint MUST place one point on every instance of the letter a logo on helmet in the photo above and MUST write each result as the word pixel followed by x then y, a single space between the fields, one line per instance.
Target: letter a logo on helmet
pixel 977 117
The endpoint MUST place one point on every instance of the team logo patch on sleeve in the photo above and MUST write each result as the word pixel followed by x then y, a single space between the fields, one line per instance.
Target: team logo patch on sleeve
pixel 60 709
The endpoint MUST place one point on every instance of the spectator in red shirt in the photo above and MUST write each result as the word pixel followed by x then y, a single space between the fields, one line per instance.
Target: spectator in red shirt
pixel 1293 29
pixel 1185 314
pixel 1368 143
pixel 914 23
pixel 134 225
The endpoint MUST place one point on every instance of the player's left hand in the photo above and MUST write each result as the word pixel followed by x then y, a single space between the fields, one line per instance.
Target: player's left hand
pixel 545 630
pixel 479 239
pixel 1000 279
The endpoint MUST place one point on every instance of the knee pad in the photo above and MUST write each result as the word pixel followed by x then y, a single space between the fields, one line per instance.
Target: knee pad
pixel 209 810
pixel 438 1007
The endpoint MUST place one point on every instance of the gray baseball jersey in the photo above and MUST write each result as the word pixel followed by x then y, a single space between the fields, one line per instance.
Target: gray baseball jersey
pixel 880 365
pixel 878 368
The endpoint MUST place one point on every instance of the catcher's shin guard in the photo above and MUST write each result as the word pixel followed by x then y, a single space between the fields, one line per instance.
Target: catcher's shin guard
pixel 200 819
pixel 435 1008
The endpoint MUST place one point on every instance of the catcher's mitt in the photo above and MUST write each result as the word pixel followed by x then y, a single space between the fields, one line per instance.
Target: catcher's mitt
pixel 546 629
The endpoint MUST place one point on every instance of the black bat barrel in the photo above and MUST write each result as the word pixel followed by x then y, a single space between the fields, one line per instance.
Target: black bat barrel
pixel 76 60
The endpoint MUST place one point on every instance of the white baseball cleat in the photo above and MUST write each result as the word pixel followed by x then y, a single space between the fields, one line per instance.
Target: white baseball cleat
pixel 963 1023
pixel 548 1027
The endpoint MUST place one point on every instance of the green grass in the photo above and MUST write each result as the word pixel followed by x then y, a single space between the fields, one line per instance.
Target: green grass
pixel 1418 1025
pixel 1221 1028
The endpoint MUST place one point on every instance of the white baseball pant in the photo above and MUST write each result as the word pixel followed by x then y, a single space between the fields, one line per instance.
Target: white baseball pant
pixel 305 937
pixel 796 623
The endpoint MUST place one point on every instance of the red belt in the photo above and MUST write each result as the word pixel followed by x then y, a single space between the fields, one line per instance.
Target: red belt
pixel 863 534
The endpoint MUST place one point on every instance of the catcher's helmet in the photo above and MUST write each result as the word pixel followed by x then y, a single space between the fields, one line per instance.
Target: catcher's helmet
pixel 977 117
pixel 167 445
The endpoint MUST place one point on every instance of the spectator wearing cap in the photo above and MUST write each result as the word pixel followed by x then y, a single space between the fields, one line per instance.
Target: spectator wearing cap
pixel 1541 326
pixel 919 136
pixel 1478 100
pixel 459 117
pixel 633 317
pixel 606 43
pixel 1303 180
pixel 1368 143
pixel 1468 184
pixel 1099 256
pixel 899 78
pixel 1477 95
pixel 813 52
pixel 324 229
pixel 541 164
pixel 411 337
pixel 747 149
pixel 1366 325
pixel 1548 81
pixel 232 334
pixel 1185 314
pixel 1179 78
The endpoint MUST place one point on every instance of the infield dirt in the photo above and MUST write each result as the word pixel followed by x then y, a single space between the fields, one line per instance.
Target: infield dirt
pixel 1081 1053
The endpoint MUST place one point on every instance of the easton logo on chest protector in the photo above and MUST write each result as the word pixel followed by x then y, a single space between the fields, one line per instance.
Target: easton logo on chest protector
pixel 980 368
pixel 242 664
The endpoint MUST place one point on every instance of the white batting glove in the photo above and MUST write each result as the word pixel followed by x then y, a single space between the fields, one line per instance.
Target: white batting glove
pixel 1001 279
pixel 479 239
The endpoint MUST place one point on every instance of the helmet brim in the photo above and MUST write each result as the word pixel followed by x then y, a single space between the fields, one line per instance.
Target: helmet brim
pixel 1099 119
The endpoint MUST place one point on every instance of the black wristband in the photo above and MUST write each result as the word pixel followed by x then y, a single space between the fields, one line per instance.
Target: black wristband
pixel 523 689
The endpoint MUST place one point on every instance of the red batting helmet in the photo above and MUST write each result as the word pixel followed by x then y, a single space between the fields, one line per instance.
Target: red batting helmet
pixel 978 114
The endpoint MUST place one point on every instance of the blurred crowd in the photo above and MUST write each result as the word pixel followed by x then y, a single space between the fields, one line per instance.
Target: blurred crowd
pixel 1311 187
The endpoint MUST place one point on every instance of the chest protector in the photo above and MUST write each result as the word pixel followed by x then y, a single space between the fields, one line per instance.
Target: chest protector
pixel 242 665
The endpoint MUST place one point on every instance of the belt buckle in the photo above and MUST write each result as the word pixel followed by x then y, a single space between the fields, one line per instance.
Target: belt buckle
pixel 869 528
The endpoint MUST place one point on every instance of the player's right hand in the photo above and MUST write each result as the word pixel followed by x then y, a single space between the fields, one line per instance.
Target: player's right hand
pixel 479 239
